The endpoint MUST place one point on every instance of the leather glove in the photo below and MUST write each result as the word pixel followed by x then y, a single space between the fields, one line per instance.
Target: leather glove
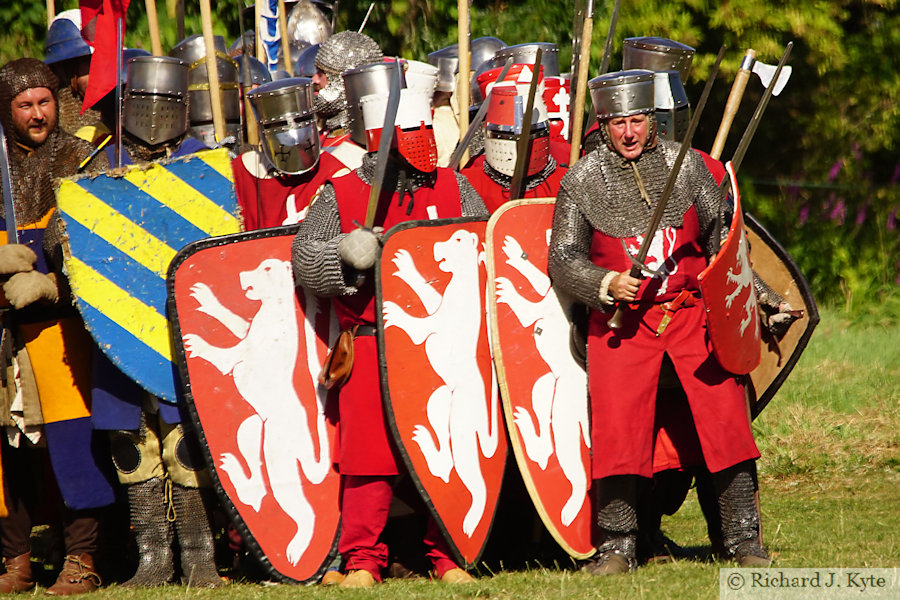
pixel 16 258
pixel 360 247
pixel 23 289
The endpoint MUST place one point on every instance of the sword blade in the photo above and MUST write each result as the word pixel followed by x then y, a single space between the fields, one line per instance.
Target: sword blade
pixel 463 145
pixel 384 146
pixel 12 233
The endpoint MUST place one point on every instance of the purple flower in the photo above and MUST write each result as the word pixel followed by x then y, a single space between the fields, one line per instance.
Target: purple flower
pixel 804 213
pixel 835 169
pixel 839 213
pixel 892 222
pixel 861 215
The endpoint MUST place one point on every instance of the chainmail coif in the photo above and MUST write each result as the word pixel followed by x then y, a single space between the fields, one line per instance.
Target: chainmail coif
pixel 342 51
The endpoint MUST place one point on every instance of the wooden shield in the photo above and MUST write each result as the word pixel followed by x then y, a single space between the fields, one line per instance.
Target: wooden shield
pixel 732 314
pixel 437 378
pixel 779 355
pixel 544 389
pixel 250 348
pixel 123 229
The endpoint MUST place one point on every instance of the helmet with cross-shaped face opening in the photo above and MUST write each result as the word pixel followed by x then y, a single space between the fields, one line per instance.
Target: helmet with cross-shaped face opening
pixel 287 125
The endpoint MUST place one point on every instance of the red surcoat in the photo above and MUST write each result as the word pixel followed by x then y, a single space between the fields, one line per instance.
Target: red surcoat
pixel 624 376
pixel 495 195
pixel 279 200
pixel 366 447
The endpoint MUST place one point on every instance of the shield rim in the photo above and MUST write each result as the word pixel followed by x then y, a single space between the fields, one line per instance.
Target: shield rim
pixel 388 406
pixel 762 400
pixel 512 431
pixel 230 509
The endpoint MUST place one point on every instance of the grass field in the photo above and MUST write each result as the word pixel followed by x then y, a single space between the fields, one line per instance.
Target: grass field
pixel 829 478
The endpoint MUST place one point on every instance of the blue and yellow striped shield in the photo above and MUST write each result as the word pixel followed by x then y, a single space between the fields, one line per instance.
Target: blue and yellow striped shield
pixel 123 231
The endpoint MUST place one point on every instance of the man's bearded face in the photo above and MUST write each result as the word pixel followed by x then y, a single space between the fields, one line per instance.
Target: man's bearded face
pixel 34 115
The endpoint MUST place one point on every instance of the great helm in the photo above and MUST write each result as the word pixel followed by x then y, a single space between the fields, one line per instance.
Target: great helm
pixel 527 53
pixel 413 133
pixel 622 93
pixel 657 54
pixel 287 125
pixel 155 107
pixel 447 62
pixel 192 50
pixel 505 120
pixel 673 111
pixel 363 81
pixel 64 39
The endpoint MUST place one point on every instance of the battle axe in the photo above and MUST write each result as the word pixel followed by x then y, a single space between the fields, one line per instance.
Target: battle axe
pixel 766 74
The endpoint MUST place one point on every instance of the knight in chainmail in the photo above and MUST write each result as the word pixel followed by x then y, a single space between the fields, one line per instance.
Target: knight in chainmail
pixel 43 407
pixel 605 203
pixel 342 51
pixel 491 174
pixel 157 457
pixel 334 257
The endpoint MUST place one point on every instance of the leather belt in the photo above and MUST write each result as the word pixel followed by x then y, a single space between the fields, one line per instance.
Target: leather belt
pixel 684 299
pixel 362 330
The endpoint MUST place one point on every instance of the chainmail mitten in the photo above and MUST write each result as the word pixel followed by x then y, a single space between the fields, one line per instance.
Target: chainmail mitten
pixel 198 565
pixel 24 289
pixel 736 488
pixel 359 248
pixel 153 534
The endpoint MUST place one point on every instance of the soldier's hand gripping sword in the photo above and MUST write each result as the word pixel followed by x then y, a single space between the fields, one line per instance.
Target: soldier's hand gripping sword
pixel 616 321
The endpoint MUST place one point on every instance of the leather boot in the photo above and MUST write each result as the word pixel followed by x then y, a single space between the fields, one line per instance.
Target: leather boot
pixel 77 576
pixel 741 531
pixel 152 532
pixel 18 575
pixel 198 564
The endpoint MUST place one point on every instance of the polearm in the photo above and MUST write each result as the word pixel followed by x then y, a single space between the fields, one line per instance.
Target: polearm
pixel 384 146
pixel 179 17
pixel 604 62
pixel 750 131
pixel 153 26
pixel 212 71
pixel 117 149
pixel 51 12
pixel 250 124
pixel 767 75
pixel 285 42
pixel 518 178
pixel 465 65
pixel 12 232
pixel 616 321
pixel 577 28
pixel 463 144
pixel 576 113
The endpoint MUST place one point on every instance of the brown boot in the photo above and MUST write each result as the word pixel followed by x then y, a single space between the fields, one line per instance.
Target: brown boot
pixel 77 576
pixel 18 575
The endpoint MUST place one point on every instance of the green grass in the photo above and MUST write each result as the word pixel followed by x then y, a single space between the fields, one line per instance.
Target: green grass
pixel 829 479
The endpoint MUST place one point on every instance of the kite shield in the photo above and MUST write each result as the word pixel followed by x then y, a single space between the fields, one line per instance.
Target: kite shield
pixel 779 355
pixel 732 313
pixel 544 389
pixel 122 232
pixel 250 348
pixel 437 378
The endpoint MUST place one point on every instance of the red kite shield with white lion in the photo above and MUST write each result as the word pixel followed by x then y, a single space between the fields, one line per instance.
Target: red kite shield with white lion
pixel 251 347
pixel 544 389
pixel 437 376
pixel 730 298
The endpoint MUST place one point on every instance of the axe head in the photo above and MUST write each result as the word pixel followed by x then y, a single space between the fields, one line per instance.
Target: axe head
pixel 767 72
